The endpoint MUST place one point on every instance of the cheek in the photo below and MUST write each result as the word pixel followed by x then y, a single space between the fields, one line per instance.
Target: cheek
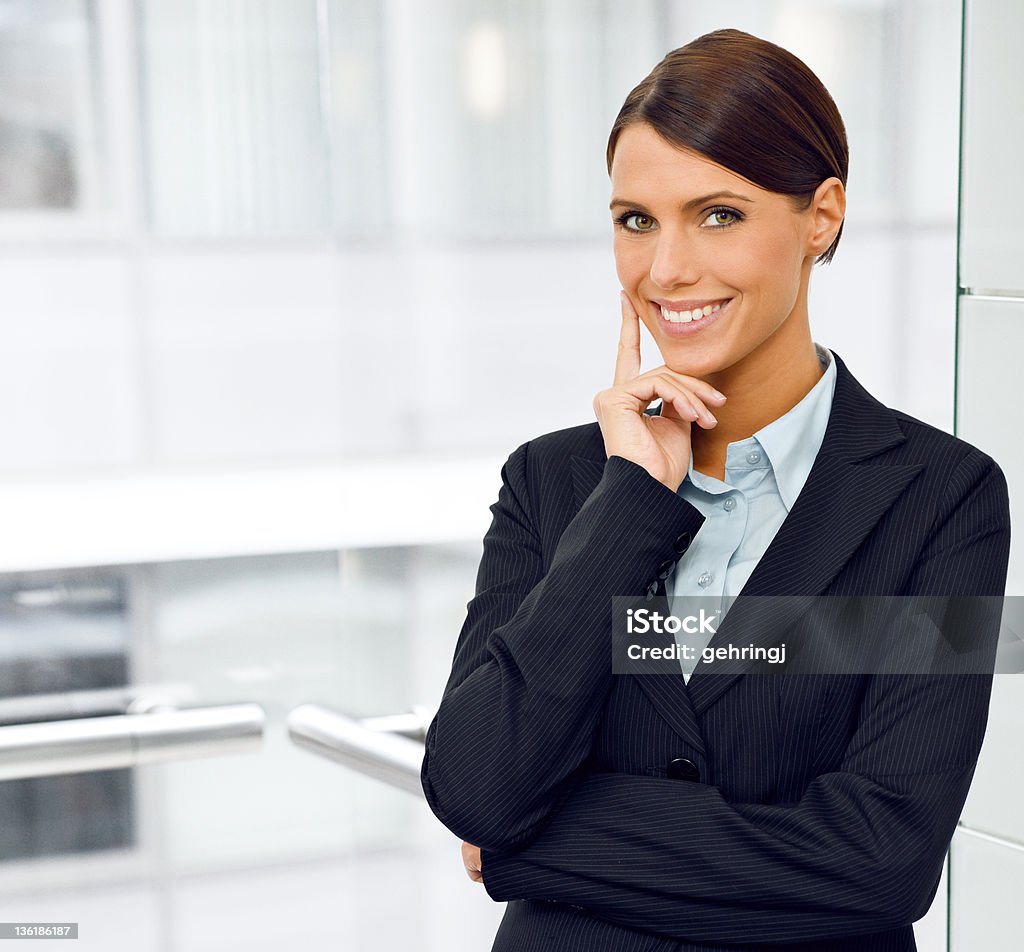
pixel 756 267
pixel 776 255
pixel 629 263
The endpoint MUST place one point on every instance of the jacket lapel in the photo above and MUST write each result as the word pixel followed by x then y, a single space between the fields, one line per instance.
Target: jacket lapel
pixel 836 510
pixel 844 497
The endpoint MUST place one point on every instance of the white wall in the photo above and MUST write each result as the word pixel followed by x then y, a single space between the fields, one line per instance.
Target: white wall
pixel 987 856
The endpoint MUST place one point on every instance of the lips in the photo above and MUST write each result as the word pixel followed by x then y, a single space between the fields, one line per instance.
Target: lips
pixel 684 328
pixel 688 305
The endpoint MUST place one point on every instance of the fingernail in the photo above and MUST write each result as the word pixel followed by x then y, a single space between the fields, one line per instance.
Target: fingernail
pixel 721 396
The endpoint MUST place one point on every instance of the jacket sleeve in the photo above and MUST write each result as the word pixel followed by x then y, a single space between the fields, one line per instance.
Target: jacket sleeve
pixel 863 849
pixel 533 661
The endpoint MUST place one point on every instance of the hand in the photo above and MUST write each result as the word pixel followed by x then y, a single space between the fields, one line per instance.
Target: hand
pixel 660 444
pixel 471 860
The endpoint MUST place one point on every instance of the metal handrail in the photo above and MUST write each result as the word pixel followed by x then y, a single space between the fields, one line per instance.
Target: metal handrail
pixel 91 702
pixel 412 724
pixel 375 746
pixel 125 740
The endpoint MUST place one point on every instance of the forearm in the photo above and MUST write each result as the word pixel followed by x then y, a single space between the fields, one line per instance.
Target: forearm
pixel 860 852
pixel 674 858
pixel 511 732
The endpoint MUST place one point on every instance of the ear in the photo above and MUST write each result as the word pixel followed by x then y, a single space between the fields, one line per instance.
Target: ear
pixel 827 211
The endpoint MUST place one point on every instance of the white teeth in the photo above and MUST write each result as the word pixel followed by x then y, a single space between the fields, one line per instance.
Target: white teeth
pixel 684 317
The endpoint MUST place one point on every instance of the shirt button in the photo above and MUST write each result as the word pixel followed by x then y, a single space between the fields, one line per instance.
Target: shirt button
pixel 705 579
pixel 729 504
pixel 753 457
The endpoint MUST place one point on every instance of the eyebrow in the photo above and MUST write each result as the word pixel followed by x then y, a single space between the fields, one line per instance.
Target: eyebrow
pixel 690 204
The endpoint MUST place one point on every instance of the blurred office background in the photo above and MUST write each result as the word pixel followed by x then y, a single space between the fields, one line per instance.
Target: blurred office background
pixel 284 282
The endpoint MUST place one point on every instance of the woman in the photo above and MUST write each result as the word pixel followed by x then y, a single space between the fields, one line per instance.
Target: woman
pixel 718 811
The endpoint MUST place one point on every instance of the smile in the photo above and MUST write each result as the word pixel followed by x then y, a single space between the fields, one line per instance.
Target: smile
pixel 684 317
pixel 684 323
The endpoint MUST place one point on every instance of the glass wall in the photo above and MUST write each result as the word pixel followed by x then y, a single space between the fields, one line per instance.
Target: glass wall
pixel 268 848
pixel 986 864
pixel 335 226
pixel 49 127
pixel 248 244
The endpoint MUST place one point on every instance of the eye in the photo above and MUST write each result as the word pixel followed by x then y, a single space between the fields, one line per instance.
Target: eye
pixel 716 213
pixel 641 221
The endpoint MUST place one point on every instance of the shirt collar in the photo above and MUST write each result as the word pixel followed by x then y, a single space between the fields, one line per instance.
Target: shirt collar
pixel 792 441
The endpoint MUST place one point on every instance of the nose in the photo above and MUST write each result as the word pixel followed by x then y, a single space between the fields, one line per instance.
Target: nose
pixel 674 261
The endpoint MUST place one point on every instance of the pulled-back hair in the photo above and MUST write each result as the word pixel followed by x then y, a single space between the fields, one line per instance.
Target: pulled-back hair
pixel 751 107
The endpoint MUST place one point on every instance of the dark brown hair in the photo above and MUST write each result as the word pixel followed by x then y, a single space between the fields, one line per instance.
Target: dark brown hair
pixel 751 107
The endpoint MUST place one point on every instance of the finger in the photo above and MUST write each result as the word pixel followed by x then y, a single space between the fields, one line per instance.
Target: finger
pixel 627 362
pixel 646 389
pixel 471 861
pixel 707 393
pixel 699 412
pixel 704 415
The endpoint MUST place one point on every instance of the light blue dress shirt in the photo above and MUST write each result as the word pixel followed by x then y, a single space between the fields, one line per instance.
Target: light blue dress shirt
pixel 763 476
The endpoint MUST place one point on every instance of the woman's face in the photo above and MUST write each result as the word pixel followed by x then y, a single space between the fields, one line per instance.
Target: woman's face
pixel 678 246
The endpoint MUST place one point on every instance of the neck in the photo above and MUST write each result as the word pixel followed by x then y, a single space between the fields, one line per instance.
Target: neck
pixel 761 388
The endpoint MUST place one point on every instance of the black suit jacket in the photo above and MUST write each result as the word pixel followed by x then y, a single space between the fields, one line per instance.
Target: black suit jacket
pixel 818 809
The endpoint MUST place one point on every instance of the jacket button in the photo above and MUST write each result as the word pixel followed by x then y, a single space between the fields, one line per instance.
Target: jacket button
pixel 665 569
pixel 683 543
pixel 652 590
pixel 683 769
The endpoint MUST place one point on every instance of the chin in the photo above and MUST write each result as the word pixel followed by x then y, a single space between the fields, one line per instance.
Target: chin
pixel 693 365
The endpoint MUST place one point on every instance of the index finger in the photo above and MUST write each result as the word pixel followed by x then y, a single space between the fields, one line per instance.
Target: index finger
pixel 627 362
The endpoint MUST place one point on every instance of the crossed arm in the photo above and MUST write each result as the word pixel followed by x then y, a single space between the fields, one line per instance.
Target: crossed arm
pixel 532 666
pixel 863 849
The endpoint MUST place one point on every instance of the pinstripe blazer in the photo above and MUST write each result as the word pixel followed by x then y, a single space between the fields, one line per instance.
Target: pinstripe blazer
pixel 817 809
